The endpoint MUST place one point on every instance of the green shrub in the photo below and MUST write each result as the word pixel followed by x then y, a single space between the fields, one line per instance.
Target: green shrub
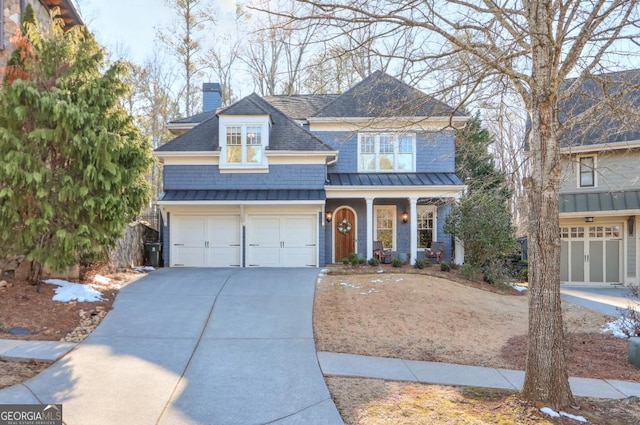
pixel 420 263
pixel 470 271
pixel 445 267
pixel 345 261
pixel 496 273
pixel 396 262
pixel 353 256
pixel 362 261
pixel 355 261
pixel 524 275
pixel 374 262
pixel 454 266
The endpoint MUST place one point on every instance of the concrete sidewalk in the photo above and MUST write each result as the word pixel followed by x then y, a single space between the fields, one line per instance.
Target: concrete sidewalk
pixel 193 346
pixel 452 374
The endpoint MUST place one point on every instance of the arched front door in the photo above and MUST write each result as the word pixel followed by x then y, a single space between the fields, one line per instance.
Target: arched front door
pixel 344 233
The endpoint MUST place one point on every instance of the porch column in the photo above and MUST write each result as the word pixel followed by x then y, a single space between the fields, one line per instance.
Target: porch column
pixel 413 237
pixel 369 252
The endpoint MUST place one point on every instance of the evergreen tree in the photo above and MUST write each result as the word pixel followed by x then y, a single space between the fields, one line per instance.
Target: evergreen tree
pixel 481 218
pixel 73 164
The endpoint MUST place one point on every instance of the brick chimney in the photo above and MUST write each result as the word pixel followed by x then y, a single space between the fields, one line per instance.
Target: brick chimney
pixel 211 97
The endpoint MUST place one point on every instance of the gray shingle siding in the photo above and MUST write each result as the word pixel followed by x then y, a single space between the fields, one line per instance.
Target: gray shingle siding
pixel 204 177
pixel 434 151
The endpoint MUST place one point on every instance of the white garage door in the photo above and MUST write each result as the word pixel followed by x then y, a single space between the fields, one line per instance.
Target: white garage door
pixel 275 241
pixel 205 241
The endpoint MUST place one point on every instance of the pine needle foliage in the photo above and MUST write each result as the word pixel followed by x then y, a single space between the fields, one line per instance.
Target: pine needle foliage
pixel 73 162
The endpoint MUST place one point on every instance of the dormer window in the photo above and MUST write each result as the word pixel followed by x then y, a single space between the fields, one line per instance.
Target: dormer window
pixel 243 145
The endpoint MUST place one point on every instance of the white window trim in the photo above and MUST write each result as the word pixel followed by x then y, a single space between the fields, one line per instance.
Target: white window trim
pixel 396 139
pixel 394 231
pixel 243 122
pixel 434 209
pixel 595 170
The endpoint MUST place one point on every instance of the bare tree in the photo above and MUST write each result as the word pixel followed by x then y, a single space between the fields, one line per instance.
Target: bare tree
pixel 532 46
pixel 184 41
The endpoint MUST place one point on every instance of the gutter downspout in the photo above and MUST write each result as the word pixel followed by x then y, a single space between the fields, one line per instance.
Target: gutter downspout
pixel 334 160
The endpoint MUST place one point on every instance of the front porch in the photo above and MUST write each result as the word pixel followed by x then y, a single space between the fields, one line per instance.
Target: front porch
pixel 406 226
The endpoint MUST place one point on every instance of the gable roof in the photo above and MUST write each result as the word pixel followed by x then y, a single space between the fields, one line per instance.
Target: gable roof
pixel 380 95
pixel 617 122
pixel 250 105
pixel 285 134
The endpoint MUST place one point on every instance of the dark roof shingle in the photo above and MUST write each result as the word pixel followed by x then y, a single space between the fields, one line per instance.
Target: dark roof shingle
pixel 285 134
pixel 380 95
pixel 617 122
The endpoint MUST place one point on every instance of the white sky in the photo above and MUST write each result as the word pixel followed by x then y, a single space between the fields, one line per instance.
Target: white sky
pixel 125 26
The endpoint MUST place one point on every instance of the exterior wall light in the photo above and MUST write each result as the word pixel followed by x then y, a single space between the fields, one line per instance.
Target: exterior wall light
pixel 328 215
pixel 405 216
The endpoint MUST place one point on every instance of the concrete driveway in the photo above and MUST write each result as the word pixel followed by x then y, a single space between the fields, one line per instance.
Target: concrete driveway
pixel 607 300
pixel 195 346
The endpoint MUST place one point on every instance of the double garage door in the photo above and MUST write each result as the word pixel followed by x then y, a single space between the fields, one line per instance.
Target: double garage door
pixel 269 241
pixel 591 254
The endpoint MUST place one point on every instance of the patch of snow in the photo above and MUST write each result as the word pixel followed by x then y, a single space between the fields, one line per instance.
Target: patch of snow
pixel 380 271
pixel 399 280
pixel 324 271
pixel 554 414
pixel 144 269
pixel 69 291
pixel 376 281
pixel 618 327
pixel 574 417
pixel 350 285
pixel 101 279
pixel 550 412
pixel 520 288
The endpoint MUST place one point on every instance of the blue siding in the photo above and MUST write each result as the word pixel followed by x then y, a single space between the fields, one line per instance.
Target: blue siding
pixel 442 213
pixel 435 151
pixel 321 240
pixel 203 177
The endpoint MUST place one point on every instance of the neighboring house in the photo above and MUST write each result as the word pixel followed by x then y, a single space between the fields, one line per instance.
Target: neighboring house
pixel 306 180
pixel 12 11
pixel 600 189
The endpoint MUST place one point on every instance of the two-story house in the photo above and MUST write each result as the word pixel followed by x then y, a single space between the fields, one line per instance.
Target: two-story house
pixel 600 189
pixel 13 10
pixel 306 180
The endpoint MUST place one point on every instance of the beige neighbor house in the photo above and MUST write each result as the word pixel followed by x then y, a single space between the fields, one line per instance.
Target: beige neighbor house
pixel 600 191
pixel 12 11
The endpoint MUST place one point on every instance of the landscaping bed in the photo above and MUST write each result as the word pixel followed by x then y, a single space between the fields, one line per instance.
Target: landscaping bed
pixel 29 314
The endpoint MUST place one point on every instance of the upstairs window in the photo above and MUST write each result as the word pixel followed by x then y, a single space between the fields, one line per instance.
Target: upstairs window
pixel 386 152
pixel 243 146
pixel 586 171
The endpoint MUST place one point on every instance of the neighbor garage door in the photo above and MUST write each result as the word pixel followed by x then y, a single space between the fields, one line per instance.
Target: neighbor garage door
pixel 205 241
pixel 281 241
pixel 591 254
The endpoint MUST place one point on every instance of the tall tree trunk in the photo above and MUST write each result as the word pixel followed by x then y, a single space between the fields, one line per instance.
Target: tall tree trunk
pixel 546 378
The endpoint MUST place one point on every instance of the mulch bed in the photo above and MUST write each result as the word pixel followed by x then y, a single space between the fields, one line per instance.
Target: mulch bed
pixel 592 355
